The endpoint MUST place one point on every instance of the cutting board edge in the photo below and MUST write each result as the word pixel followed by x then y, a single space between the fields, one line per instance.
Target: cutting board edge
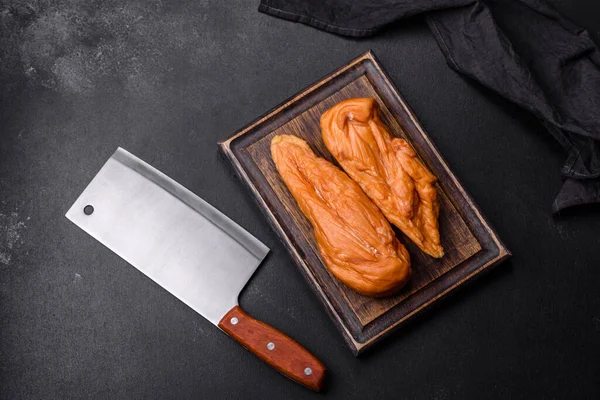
pixel 503 255
pixel 225 145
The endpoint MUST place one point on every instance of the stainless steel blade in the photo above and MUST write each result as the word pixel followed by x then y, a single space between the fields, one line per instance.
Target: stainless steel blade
pixel 173 236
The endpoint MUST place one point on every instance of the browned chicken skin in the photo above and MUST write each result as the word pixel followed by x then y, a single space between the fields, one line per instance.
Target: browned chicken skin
pixel 356 242
pixel 386 168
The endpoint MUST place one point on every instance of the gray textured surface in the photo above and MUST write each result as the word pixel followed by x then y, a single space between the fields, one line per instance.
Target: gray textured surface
pixel 167 80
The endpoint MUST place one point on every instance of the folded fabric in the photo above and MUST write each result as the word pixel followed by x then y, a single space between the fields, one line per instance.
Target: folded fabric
pixel 524 50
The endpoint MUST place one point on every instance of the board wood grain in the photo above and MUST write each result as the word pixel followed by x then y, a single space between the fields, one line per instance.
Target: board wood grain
pixel 470 244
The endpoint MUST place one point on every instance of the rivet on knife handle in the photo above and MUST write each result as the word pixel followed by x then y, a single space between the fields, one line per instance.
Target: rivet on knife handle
pixel 275 348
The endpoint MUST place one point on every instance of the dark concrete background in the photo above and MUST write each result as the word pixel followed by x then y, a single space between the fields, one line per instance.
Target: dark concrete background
pixel 166 80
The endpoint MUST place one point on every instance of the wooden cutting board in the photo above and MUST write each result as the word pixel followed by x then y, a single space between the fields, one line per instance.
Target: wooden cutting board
pixel 471 245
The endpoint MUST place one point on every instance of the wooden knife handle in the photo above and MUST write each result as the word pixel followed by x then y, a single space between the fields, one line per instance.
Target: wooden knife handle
pixel 278 350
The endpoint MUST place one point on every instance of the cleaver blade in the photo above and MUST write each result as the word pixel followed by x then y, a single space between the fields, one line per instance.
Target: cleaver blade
pixel 189 248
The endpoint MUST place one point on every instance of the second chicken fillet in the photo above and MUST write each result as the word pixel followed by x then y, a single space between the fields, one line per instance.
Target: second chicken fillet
pixel 386 168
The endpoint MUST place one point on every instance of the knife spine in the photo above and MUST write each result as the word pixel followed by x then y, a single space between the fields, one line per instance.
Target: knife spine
pixel 186 196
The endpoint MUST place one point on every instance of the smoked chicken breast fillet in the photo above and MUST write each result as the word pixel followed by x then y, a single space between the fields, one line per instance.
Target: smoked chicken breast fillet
pixel 356 242
pixel 386 168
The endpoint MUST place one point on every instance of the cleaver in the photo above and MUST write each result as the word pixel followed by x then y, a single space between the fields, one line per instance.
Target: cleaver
pixel 190 249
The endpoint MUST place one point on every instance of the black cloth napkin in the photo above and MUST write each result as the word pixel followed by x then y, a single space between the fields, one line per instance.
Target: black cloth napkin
pixel 524 50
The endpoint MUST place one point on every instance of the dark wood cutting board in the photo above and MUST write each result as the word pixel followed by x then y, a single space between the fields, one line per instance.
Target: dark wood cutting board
pixel 470 244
